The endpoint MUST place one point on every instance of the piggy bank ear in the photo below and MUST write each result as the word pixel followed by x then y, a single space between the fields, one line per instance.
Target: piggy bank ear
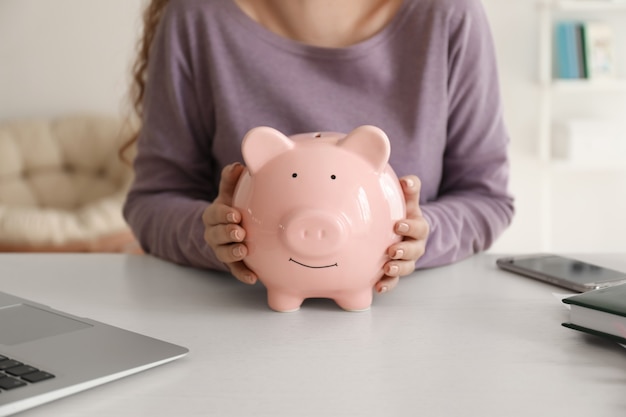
pixel 371 143
pixel 262 144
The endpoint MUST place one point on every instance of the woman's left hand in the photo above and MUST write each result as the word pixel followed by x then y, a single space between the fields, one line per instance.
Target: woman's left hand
pixel 414 230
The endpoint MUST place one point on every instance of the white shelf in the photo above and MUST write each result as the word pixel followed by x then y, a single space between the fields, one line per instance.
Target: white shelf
pixel 564 165
pixel 586 5
pixel 583 86
pixel 549 12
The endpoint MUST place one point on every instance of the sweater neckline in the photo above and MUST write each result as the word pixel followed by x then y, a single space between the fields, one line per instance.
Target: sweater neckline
pixel 258 31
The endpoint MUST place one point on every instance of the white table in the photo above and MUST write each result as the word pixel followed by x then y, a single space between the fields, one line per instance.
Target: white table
pixel 462 340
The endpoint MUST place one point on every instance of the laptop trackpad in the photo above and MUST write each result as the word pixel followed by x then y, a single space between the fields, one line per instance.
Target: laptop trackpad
pixel 22 323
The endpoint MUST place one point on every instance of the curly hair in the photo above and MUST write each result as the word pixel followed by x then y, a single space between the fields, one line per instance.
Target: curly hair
pixel 151 17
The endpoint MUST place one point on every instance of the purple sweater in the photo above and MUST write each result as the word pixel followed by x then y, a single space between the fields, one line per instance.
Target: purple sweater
pixel 428 79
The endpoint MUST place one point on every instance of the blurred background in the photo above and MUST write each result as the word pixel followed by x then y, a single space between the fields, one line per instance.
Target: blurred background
pixel 73 56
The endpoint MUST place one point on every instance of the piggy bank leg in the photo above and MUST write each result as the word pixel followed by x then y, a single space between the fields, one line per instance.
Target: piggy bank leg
pixel 283 302
pixel 356 301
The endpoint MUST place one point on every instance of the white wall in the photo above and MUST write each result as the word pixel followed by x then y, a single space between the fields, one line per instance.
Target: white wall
pixel 65 56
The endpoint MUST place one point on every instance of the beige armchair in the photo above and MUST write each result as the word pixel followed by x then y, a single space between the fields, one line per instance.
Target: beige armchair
pixel 62 185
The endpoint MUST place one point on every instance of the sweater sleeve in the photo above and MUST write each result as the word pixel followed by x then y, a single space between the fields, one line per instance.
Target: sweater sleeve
pixel 473 206
pixel 175 176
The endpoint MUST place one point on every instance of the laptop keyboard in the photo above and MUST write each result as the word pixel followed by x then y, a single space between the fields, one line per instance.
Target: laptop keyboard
pixel 15 374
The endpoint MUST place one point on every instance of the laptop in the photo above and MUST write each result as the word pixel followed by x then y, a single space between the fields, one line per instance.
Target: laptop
pixel 46 354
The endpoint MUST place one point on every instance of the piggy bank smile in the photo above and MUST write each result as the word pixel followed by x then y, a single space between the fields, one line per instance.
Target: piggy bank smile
pixel 311 266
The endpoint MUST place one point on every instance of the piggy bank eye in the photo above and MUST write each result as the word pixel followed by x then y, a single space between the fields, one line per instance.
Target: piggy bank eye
pixel 294 175
pixel 333 177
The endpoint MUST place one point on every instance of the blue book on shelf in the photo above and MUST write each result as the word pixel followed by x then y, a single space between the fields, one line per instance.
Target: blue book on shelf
pixel 567 51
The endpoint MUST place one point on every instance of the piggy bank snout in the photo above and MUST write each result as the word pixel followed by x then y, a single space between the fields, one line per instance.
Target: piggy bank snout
pixel 314 233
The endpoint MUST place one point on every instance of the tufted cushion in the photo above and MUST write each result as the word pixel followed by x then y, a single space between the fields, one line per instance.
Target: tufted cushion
pixel 62 182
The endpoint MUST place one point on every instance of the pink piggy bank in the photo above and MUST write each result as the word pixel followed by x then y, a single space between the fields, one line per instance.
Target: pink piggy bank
pixel 319 211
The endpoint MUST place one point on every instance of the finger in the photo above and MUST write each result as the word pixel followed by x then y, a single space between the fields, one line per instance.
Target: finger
pixel 386 284
pixel 224 234
pixel 407 250
pixel 218 213
pixel 413 228
pixel 228 254
pixel 411 186
pixel 228 182
pixel 242 273
pixel 399 268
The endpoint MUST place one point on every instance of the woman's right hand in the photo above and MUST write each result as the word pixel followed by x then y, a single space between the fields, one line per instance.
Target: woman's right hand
pixel 222 229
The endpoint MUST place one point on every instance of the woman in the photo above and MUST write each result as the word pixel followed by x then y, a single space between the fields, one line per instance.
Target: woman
pixel 422 70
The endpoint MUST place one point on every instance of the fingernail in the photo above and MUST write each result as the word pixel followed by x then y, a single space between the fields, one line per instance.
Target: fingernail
pixel 238 251
pixel 383 289
pixel 235 235
pixel 403 227
pixel 232 217
pixel 409 182
pixel 250 279
pixel 393 270
pixel 399 254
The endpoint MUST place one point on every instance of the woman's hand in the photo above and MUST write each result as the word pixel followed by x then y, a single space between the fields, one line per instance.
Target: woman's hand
pixel 414 230
pixel 222 230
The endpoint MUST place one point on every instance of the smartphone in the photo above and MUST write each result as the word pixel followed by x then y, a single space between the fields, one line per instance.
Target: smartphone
pixel 562 271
